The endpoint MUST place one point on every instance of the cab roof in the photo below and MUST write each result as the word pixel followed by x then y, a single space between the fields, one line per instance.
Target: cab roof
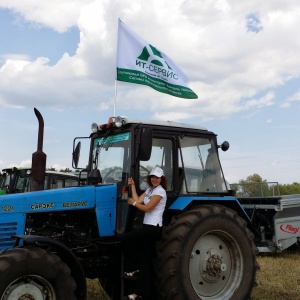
pixel 162 123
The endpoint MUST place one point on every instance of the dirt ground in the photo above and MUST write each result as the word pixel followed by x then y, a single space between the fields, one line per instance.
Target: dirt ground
pixel 278 278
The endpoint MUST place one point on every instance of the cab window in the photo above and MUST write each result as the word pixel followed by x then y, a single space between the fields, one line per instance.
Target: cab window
pixel 162 156
pixel 198 159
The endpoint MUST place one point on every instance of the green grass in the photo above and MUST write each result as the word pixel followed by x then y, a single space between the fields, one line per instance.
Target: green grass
pixel 95 291
pixel 279 277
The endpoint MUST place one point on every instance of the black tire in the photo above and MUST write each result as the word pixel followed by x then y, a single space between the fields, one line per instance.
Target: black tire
pixel 34 273
pixel 206 253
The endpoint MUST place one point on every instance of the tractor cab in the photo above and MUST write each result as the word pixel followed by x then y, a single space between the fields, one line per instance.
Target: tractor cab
pixel 17 180
pixel 126 147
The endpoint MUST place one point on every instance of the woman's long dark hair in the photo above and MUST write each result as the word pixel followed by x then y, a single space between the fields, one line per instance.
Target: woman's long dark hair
pixel 163 183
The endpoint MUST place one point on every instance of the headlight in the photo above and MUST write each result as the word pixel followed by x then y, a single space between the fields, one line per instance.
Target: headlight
pixel 94 127
pixel 118 121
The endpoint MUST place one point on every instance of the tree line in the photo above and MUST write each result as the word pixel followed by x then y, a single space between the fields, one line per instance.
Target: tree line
pixel 255 185
pixel 66 170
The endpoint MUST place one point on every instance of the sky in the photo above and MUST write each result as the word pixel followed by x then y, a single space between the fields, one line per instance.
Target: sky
pixel 241 57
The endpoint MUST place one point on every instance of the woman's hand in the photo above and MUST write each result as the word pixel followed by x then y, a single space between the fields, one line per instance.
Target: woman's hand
pixel 130 201
pixel 130 181
pixel 135 198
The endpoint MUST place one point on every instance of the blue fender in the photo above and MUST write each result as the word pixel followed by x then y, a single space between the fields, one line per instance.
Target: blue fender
pixel 184 202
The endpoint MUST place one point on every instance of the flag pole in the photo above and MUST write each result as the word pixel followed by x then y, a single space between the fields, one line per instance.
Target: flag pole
pixel 115 101
pixel 118 37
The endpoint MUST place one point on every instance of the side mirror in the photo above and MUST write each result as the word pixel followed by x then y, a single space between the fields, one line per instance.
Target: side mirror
pixel 224 146
pixel 76 155
pixel 145 147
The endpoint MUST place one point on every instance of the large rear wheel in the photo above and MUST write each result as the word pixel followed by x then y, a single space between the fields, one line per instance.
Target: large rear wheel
pixel 206 253
pixel 33 273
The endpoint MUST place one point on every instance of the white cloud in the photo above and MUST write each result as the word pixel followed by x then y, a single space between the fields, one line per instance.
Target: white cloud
pixel 58 167
pixel 236 72
pixel 13 66
pixel 23 164
pixel 27 164
pixel 210 40
pixel 56 14
pixel 294 97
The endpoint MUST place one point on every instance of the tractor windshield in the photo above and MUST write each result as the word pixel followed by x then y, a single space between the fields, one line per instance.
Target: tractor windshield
pixel 10 178
pixel 4 184
pixel 111 155
pixel 5 181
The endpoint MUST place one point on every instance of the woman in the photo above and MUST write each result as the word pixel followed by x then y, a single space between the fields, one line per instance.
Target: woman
pixel 139 244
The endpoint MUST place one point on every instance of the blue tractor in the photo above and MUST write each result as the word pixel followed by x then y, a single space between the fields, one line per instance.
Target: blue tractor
pixel 52 240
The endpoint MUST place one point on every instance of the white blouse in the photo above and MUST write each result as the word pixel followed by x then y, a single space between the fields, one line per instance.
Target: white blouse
pixel 154 217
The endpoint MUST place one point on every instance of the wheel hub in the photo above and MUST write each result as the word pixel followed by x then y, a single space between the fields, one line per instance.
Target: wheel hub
pixel 29 289
pixel 213 266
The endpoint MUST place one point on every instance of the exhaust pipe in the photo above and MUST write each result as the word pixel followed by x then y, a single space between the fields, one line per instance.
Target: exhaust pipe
pixel 38 165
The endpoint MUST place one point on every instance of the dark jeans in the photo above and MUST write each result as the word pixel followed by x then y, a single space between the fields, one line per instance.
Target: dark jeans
pixel 138 250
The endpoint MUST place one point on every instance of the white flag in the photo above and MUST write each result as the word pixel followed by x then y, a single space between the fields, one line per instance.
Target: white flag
pixel 141 63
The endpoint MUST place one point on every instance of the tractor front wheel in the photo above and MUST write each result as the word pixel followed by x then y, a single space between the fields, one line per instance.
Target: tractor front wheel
pixel 33 273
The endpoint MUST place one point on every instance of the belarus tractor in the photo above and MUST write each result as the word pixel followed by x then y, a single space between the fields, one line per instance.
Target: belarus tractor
pixel 52 240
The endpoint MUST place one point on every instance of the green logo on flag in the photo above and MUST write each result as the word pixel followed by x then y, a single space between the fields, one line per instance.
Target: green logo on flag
pixel 154 64
pixel 145 56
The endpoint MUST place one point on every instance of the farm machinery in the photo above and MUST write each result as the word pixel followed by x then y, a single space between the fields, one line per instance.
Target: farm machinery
pixel 17 180
pixel 52 240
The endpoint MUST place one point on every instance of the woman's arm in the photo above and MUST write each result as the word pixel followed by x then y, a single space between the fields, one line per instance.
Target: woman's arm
pixel 138 201
pixel 145 207
pixel 135 197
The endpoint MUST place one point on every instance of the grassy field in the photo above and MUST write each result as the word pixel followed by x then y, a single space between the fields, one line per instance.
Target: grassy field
pixel 95 291
pixel 278 278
